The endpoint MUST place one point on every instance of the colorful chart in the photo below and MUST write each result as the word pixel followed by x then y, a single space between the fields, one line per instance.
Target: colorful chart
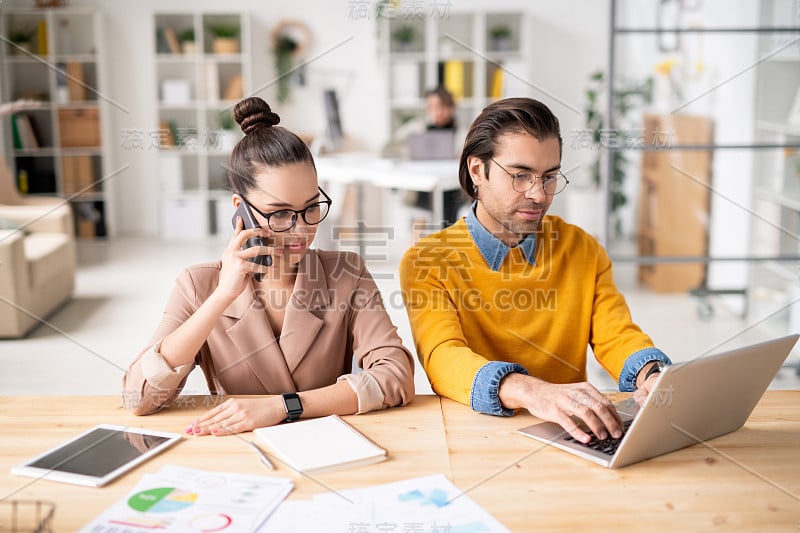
pixel 162 500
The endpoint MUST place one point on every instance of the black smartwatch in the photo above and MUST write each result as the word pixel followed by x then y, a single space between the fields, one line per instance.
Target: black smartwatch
pixel 293 406
pixel 655 369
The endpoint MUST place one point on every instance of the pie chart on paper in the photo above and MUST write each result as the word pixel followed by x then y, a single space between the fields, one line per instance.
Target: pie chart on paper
pixel 162 500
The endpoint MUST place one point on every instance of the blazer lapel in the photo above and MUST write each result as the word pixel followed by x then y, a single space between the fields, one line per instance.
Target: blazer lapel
pixel 302 321
pixel 258 348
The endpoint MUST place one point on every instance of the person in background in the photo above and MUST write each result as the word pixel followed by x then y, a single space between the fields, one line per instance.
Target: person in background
pixel 440 107
pixel 291 335
pixel 504 303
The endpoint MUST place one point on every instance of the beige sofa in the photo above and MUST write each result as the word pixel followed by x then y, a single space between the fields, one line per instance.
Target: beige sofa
pixel 37 264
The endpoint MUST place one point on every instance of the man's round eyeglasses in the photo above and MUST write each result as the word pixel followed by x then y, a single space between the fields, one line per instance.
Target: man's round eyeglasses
pixel 524 181
pixel 286 219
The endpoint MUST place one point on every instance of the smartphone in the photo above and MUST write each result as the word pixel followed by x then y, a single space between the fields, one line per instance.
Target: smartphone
pixel 249 223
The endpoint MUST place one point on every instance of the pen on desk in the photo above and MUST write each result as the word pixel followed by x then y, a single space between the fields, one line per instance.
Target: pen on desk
pixel 262 455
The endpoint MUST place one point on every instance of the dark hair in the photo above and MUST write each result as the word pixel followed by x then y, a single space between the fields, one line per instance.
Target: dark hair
pixel 445 96
pixel 512 115
pixel 264 144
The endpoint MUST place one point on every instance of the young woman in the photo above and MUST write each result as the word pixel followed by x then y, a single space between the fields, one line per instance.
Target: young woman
pixel 289 330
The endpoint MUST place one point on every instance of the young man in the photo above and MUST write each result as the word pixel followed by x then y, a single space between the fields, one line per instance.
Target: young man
pixel 504 302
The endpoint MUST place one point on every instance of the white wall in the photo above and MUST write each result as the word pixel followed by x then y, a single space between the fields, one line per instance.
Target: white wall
pixel 568 38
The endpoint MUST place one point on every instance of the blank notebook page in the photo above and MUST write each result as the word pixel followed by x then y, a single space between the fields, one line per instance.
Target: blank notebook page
pixel 320 445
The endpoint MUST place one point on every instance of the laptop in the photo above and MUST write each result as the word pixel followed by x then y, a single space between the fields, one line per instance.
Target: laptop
pixel 692 403
pixel 432 144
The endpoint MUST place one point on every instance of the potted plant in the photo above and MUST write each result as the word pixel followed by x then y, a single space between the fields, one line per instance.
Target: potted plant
pixel 226 38
pixel 626 99
pixel 284 49
pixel 404 37
pixel 501 37
pixel 187 41
pixel 290 41
pixel 22 38
pixel 228 135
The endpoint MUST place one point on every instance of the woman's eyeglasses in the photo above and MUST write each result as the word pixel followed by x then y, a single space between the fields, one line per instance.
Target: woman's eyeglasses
pixel 286 219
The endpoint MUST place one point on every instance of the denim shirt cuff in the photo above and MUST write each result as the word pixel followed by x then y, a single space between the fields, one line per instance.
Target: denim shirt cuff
pixel 635 362
pixel 486 386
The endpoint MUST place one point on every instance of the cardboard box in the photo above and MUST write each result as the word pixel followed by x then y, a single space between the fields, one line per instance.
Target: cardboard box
pixel 79 128
pixel 77 174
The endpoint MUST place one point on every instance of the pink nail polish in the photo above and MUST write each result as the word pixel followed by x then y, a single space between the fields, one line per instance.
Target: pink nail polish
pixel 189 430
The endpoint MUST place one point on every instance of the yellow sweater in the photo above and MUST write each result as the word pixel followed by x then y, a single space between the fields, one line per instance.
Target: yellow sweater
pixel 542 316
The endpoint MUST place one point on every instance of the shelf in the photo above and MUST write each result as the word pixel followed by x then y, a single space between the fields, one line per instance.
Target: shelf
pixel 85 197
pixel 48 151
pixel 777 127
pixel 409 57
pixel 780 269
pixel 789 200
pixel 501 56
pixel 189 176
pixel 191 105
pixel 776 29
pixel 75 58
pixel 25 58
pixel 176 58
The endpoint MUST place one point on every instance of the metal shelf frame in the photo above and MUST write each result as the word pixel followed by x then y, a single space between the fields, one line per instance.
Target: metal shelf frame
pixel 703 292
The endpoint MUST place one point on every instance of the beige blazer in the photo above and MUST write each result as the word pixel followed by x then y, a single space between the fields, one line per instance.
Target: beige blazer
pixel 335 313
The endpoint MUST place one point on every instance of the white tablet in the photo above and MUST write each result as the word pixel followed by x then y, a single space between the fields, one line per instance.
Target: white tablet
pixel 98 455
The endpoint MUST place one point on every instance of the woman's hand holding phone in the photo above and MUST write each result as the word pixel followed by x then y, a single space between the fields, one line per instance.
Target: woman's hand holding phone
pixel 237 262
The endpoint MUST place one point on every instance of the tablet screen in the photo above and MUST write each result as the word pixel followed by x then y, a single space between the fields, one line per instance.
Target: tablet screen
pixel 98 455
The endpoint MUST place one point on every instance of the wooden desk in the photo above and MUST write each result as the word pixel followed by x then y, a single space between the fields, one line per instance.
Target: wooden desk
pixel 435 177
pixel 744 481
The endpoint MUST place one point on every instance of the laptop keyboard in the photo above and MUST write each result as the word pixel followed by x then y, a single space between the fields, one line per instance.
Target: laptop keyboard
pixel 607 446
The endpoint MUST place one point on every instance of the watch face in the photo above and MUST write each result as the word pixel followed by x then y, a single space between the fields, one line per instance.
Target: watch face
pixel 293 404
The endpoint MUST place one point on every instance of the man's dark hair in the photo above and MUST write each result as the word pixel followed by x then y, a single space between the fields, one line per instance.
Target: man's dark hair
pixel 512 115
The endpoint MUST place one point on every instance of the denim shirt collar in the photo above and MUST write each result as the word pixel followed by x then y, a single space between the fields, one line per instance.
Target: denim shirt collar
pixel 493 250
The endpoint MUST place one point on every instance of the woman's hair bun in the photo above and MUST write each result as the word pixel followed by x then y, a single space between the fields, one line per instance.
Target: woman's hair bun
pixel 253 113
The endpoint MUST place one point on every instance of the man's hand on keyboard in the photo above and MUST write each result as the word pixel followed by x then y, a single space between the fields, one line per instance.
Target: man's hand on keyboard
pixel 558 403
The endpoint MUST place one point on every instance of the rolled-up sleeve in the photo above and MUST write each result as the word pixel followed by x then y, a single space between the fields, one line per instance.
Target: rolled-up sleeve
pixel 387 364
pixel 150 383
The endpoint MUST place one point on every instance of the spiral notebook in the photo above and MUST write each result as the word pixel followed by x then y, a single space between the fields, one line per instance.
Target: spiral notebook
pixel 320 445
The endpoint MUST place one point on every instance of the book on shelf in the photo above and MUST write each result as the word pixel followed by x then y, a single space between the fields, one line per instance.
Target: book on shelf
pixel 76 86
pixel 454 78
pixel 234 90
pixel 320 445
pixel 77 174
pixel 62 92
pixel 497 84
pixel 25 138
pixel 168 134
pixel 15 136
pixel 41 38
pixel 212 81
pixel 172 40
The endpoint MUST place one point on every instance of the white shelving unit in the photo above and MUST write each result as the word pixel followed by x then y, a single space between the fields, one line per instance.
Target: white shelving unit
pixel 459 52
pixel 776 230
pixel 61 65
pixel 196 91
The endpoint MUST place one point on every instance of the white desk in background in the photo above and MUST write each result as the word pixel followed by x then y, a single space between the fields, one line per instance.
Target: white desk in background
pixel 435 177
